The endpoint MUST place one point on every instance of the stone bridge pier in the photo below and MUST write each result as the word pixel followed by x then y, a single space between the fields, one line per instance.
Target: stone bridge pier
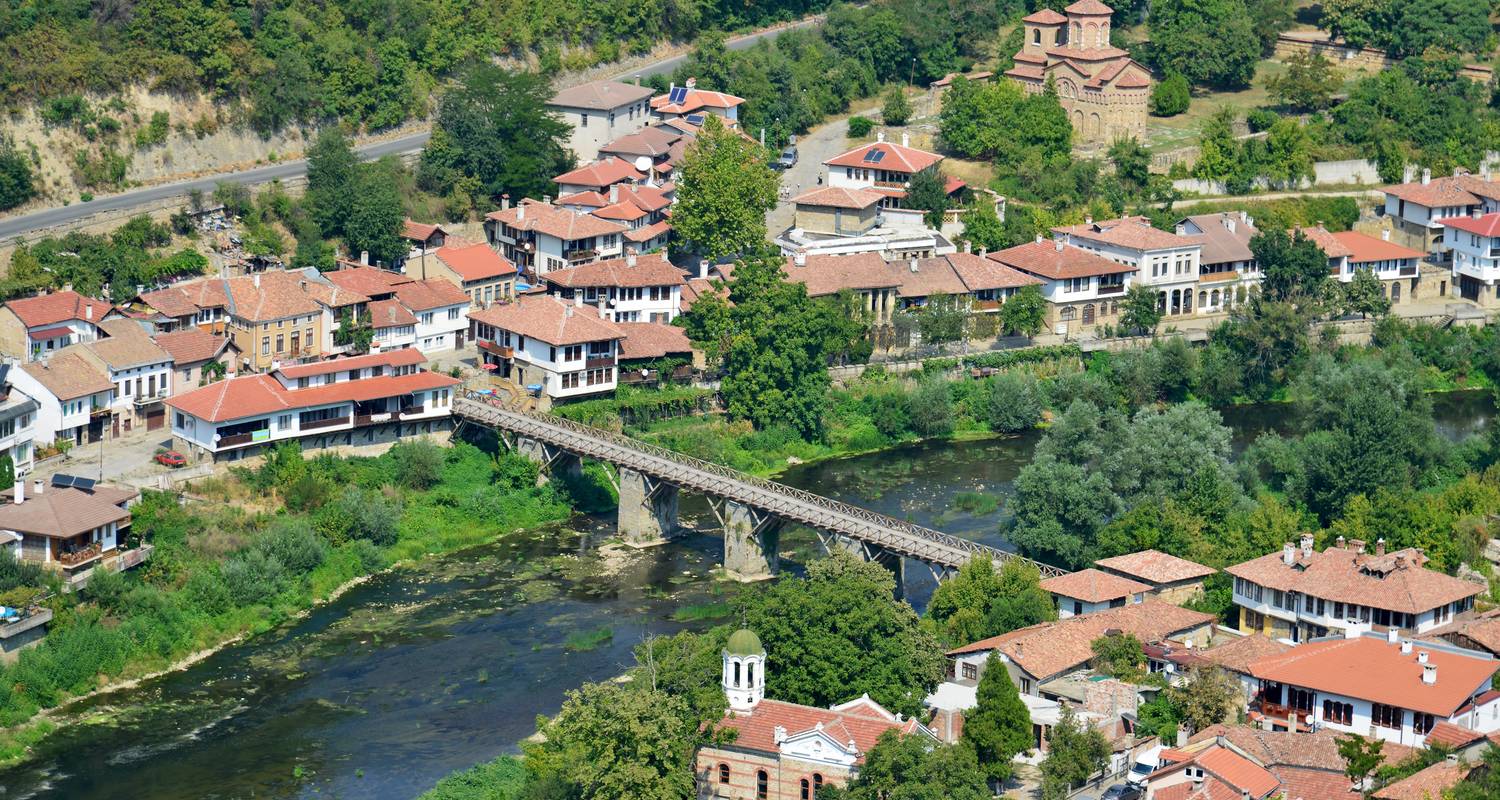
pixel 751 539
pixel 648 509
pixel 549 457
pixel 869 552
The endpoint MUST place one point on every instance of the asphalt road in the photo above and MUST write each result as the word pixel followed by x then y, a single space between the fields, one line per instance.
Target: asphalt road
pixel 21 225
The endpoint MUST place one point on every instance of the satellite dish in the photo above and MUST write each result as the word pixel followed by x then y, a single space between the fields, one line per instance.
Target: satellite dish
pixel 642 164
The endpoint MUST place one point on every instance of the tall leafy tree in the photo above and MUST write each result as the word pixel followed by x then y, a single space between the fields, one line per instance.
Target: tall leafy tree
pixel 1207 698
pixel 1308 84
pixel 913 767
pixel 1140 313
pixel 1075 752
pixel 837 633
pixel 926 191
pixel 999 728
pixel 1365 295
pixel 1025 312
pixel 614 740
pixel 982 601
pixel 724 190
pixel 1295 268
pixel 16 182
pixel 1210 42
pixel 373 222
pixel 494 127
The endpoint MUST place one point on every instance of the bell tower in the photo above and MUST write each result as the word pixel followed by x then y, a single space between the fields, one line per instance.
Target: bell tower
pixel 744 676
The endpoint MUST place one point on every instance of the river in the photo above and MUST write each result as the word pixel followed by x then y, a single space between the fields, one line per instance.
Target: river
pixel 436 667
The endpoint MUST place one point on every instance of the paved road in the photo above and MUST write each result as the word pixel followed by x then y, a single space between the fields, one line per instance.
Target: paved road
pixel 17 226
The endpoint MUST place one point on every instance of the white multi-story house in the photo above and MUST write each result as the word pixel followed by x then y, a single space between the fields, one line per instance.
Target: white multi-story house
pixel 599 112
pixel 539 237
pixel 17 423
pixel 395 328
pixel 1418 209
pixel 882 167
pixel 36 327
pixel 1227 271
pixel 690 104
pixel 1349 252
pixel 1475 244
pixel 631 289
pixel 140 370
pixel 1166 262
pixel 1378 685
pixel 73 396
pixel 553 347
pixel 1081 287
pixel 642 208
pixel 1300 594
pixel 1090 590
pixel 351 401
pixel 439 308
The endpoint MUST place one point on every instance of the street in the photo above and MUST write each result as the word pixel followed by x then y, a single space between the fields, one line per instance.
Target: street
pixel 813 148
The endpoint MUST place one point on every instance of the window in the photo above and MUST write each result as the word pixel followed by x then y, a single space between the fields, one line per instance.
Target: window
pixel 1300 699
pixel 723 773
pixel 573 352
pixel 971 671
pixel 1075 284
pixel 284 421
pixel 806 793
pixel 452 314
pixel 762 784
pixel 583 120
pixel 1422 723
pixel 1036 35
pixel 1338 713
pixel 817 782
pixel 570 380
pixel 1387 716
pixel 598 376
pixel 280 343
pixel 426 317
pixel 265 345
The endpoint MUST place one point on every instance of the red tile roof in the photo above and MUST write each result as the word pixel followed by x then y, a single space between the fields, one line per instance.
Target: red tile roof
pixel 1369 668
pixel 1325 241
pixel 979 273
pixel 651 269
pixel 1155 567
pixel 1093 586
pixel 1429 784
pixel 1483 630
pixel 550 320
pixel 68 375
pixel 1396 581
pixel 392 358
pixel 429 294
pixel 1301 783
pixel 1047 260
pixel 1451 736
pixel 555 221
pixel 1089 8
pixel 648 232
pixel 860 722
pixel 419 231
pixel 389 314
pixel 1134 233
pixel 1276 749
pixel 893 158
pixel 601 173
pixel 652 340
pixel 696 99
pixel 1487 225
pixel 1363 247
pixel 1437 193
pixel 1052 648
pixel 830 274
pixel 836 197
pixel 1045 16
pixel 600 95
pixel 475 262
pixel 1236 655
pixel 253 395
pixel 368 281
pixel 62 513
pixel 63 306
pixel 191 345
pixel 269 296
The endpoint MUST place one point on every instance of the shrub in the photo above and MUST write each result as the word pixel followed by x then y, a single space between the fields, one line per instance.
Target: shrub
pixel 932 408
pixel 295 545
pixel 1171 97
pixel 14 573
pixel 359 513
pixel 890 411
pixel 155 132
pixel 252 577
pixel 1260 119
pixel 860 127
pixel 1013 403
pixel 419 464
pixel 896 110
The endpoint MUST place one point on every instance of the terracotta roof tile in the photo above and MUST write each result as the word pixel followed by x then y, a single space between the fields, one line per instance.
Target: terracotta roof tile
pixel 893 158
pixel 269 296
pixel 1396 581
pixel 550 320
pixel 1302 783
pixel 757 729
pixel 979 273
pixel 1315 750
pixel 1220 244
pixel 1089 8
pixel 191 345
pixel 1451 736
pixel 1133 233
pixel 429 294
pixel 695 99
pixel 474 262
pixel 1364 247
pixel 600 95
pixel 1486 225
pixel 601 173
pixel 829 274
pixel 1428 784
pixel 1483 630
pixel 1369 668
pixel 1325 241
pixel 653 141
pixel 126 345
pixel 1155 567
pixel 555 221
pixel 1046 260
pixel 652 340
pixel 652 269
pixel 1236 655
pixel 64 306
pixel 253 395
pixel 1093 586
pixel 68 375
pixel 927 277
pixel 368 281
pixel 1438 193
pixel 1052 648
pixel 1045 16
pixel 389 314
pixel 837 197
pixel 648 232
pixel 419 231
pixel 407 357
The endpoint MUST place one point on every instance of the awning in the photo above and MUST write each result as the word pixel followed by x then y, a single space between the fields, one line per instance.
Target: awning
pixel 51 333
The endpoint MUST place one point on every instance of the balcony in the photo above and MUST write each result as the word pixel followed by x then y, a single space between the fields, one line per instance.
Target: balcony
pixel 1219 277
pixel 371 419
pixel 599 362
pixel 1111 290
pixel 236 439
pixel 148 399
pixel 412 411
pixel 331 422
pixel 83 555
pixel 1408 272
pixel 891 184
pixel 501 350
pixel 580 256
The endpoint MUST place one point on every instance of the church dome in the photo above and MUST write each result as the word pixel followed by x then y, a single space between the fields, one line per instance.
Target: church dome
pixel 744 642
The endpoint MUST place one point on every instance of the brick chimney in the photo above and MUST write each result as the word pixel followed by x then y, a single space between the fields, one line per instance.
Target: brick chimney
pixel 1307 545
pixel 1288 554
pixel 1380 546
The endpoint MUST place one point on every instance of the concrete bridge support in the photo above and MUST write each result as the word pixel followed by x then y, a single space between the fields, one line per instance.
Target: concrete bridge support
pixel 648 509
pixel 868 552
pixel 751 539
pixel 550 458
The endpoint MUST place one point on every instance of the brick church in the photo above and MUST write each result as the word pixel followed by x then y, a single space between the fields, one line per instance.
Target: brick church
pixel 1103 89
pixel 786 751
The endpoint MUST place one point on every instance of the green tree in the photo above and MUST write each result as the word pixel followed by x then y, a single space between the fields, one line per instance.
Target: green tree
pixel 1361 756
pixel 1132 163
pixel 943 318
pixel 373 224
pixel 896 109
pixel 914 767
pixel 1288 154
pixel 614 740
pixel 1209 42
pixel 1119 655
pixel 1025 312
pixel 1075 752
pixel 1295 268
pixel 982 226
pixel 331 165
pixel 1013 402
pixel 980 601
pixel 927 191
pixel 1365 295
pixel 998 121
pixel 1308 84
pixel 836 633
pixel 999 728
pixel 501 779
pixel 7 472
pixel 932 408
pixel 16 182
pixel 1484 782
pixel 1171 96
pixel 724 190
pixel 1140 313
pixel 494 126
pixel 1207 698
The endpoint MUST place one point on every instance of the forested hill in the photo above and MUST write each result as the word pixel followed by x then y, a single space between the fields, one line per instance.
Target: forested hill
pixel 372 63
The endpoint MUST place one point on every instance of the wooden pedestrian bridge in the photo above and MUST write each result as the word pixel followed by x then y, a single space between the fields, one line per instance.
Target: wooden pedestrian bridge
pixel 751 510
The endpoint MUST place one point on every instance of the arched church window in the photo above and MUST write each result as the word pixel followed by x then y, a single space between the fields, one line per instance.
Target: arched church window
pixel 762 784
pixel 723 773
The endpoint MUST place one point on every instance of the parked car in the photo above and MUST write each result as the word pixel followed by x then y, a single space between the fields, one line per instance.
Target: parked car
pixel 171 458
pixel 1121 791
pixel 787 160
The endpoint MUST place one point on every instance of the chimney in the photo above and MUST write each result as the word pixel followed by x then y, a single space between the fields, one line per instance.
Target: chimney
pixel 1229 223
pixel 1429 674
pixel 1039 238
pixel 984 251
pixel 1405 647
pixel 1339 542
pixel 546 199
pixel 1181 229
pixel 778 734
pixel 364 258
pixel 1288 554
pixel 568 310
pixel 1056 243
pixel 1307 545
pixel 577 298
pixel 1380 546
pixel 905 139
pixel 799 259
pixel 505 201
pixel 1358 545
pixel 520 211
pixel 968 246
pixel 703 266
pixel 691 83
pixel 1245 217
pixel 614 193
pixel 1421 656
pixel 604 315
pixel 255 279
pixel 880 136
pixel 1088 220
pixel 1385 234
pixel 88 311
pixel 20 491
pixel 38 487
pixel 1426 176
pixel 630 258
pixel 1391 635
pixel 914 264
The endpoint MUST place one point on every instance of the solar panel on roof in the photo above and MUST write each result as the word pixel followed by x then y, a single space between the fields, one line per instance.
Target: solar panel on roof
pixel 874 156
pixel 678 95
pixel 62 480
pixel 85 484
pixel 695 119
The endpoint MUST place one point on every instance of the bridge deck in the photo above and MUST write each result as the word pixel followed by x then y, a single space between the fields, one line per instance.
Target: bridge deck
pixel 703 477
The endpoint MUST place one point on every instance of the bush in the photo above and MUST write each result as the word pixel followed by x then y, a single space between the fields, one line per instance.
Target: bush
pixel 294 544
pixel 14 573
pixel 1260 119
pixel 17 185
pixel 1171 97
pixel 419 464
pixel 359 513
pixel 155 132
pixel 252 577
pixel 890 411
pixel 1013 403
pixel 932 407
pixel 897 110
pixel 860 127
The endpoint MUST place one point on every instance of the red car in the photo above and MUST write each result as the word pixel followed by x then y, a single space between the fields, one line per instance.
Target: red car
pixel 171 458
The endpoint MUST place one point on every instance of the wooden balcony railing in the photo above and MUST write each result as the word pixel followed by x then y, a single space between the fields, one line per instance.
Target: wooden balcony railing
pixel 599 362
pixel 331 422
pixel 412 411
pixel 501 350
pixel 1105 291
pixel 76 557
pixel 236 439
